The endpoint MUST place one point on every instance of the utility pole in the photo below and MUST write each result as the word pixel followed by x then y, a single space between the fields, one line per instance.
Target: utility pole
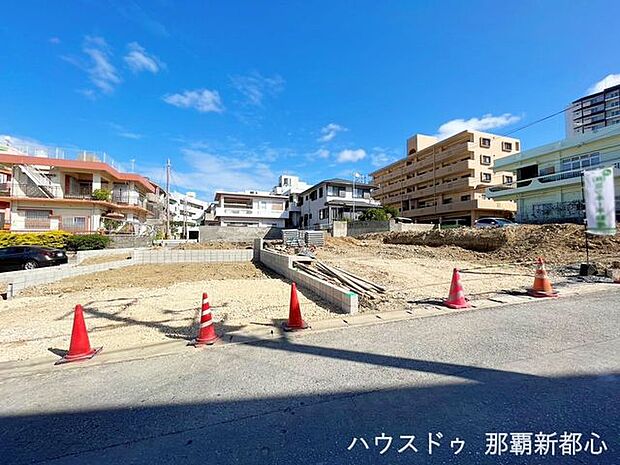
pixel 168 199
pixel 185 219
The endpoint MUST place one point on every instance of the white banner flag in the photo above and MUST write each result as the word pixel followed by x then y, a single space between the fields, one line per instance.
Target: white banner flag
pixel 600 201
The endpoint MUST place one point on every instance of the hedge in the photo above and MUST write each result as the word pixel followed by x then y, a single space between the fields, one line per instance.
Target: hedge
pixel 56 239
pixel 88 242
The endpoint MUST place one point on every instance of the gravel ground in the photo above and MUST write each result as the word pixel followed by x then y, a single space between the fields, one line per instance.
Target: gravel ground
pixel 105 259
pixel 126 308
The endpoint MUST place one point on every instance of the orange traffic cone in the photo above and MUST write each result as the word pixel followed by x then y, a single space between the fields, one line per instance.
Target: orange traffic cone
pixel 456 298
pixel 206 332
pixel 542 286
pixel 295 321
pixel 79 349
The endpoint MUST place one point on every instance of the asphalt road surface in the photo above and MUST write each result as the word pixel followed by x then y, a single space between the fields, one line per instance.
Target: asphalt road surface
pixel 542 367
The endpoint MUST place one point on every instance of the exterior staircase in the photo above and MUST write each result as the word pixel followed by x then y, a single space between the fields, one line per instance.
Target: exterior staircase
pixel 39 178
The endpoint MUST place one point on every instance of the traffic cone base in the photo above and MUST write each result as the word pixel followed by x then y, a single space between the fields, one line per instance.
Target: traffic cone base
pixel 300 327
pixel 456 299
pixel 295 321
pixel 206 331
pixel 541 294
pixel 76 358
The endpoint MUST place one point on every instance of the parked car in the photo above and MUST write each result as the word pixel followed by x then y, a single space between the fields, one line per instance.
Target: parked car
pixel 493 223
pixel 28 257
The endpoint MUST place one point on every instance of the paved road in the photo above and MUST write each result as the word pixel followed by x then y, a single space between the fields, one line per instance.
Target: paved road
pixel 548 366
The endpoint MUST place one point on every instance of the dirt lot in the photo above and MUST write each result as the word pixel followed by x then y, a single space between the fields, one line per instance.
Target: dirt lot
pixel 422 274
pixel 146 304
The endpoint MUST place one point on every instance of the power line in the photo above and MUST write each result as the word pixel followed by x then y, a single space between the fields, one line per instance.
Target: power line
pixel 537 121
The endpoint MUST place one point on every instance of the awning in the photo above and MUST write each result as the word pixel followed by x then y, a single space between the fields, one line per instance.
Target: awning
pixel 345 203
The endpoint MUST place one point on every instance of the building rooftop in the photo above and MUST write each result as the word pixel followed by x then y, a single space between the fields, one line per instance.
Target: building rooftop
pixel 563 144
pixel 341 181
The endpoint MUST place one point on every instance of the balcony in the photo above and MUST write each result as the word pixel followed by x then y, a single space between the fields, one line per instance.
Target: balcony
pixel 32 191
pixel 550 181
pixel 249 213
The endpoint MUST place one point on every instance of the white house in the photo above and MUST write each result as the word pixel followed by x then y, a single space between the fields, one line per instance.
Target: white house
pixel 334 200
pixel 251 208
pixel 189 211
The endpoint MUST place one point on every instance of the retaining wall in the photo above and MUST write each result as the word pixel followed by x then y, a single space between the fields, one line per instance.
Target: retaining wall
pixel 345 300
pixel 237 234
pixel 141 257
pixel 14 282
pixel 124 242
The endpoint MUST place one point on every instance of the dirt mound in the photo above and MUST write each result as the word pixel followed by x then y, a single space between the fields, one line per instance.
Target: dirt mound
pixel 558 243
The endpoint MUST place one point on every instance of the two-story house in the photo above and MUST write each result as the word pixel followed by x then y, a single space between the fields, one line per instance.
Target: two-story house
pixel 42 193
pixel 334 200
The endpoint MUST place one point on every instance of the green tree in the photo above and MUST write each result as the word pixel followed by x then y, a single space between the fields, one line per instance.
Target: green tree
pixel 374 214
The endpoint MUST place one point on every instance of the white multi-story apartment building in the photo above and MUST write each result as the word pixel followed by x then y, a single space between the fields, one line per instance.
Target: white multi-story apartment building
pixel 48 191
pixel 251 208
pixel 187 212
pixel 593 112
pixel 334 200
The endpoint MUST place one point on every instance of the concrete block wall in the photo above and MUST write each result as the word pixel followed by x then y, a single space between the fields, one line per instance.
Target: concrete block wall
pixel 141 257
pixel 237 234
pixel 17 281
pixel 14 282
pixel 343 299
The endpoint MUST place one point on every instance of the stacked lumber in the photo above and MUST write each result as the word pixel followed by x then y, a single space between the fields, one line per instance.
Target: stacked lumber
pixel 342 278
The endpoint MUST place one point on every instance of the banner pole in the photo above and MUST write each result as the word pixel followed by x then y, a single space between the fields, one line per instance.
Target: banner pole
pixel 585 219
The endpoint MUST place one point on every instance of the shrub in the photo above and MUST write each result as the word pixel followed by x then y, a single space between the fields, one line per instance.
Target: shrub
pixel 101 194
pixel 374 214
pixel 57 239
pixel 88 242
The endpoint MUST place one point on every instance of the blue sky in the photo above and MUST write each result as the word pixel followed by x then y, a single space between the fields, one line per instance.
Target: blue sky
pixel 238 92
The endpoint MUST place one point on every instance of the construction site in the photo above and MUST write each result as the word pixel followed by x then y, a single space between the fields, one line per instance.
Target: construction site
pixel 145 304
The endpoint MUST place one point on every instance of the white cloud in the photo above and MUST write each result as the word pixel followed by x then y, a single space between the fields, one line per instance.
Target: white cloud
pixel 330 131
pixel 484 123
pixel 348 155
pixel 54 40
pixel 608 81
pixel 381 157
pixel 231 170
pixel 203 100
pixel 322 153
pixel 121 131
pixel 138 59
pixel 101 71
pixel 254 86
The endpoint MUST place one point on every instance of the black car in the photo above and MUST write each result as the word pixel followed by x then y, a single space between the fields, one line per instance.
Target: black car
pixel 28 257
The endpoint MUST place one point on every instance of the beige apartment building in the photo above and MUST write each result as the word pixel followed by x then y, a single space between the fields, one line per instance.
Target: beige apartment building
pixel 445 180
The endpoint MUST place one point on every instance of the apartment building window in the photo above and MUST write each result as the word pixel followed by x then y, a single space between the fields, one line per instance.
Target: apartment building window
pixel 320 192
pixel 37 219
pixel 507 179
pixel 485 159
pixel 507 146
pixel 517 148
pixel 447 200
pixel 323 213
pixel 485 142
pixel 580 162
pixel 313 195
pixel 485 177
pixel 465 198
